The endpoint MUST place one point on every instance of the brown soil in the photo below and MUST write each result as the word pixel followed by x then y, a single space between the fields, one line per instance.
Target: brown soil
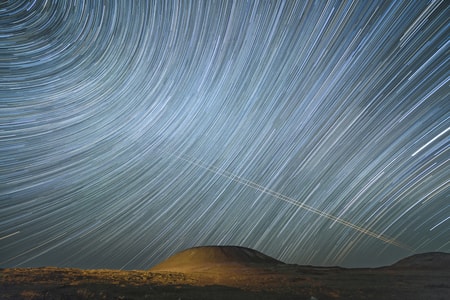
pixel 228 274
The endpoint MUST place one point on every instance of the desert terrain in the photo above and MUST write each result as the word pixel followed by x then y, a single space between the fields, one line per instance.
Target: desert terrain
pixel 229 272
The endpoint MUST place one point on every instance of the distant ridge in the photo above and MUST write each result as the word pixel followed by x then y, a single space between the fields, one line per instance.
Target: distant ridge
pixel 207 257
pixel 424 261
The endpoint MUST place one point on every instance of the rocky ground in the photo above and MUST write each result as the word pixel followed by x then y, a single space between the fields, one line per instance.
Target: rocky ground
pixel 230 280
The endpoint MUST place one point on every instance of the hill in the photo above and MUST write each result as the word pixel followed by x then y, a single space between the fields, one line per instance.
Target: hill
pixel 425 261
pixel 212 257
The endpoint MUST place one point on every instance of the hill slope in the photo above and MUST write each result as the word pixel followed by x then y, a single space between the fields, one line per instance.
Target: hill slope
pixel 425 261
pixel 207 257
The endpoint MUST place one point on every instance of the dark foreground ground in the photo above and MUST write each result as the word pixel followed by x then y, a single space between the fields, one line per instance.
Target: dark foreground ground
pixel 235 273
pixel 284 282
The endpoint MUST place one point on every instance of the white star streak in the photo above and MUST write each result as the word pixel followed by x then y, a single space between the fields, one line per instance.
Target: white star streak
pixel 9 235
pixel 314 131
pixel 432 140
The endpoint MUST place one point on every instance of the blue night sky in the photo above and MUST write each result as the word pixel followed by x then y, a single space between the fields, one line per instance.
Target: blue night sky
pixel 316 132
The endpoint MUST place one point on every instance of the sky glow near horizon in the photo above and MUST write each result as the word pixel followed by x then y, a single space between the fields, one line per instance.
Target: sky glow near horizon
pixel 315 132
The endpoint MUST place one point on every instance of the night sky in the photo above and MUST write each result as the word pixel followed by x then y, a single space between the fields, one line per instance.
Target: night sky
pixel 315 132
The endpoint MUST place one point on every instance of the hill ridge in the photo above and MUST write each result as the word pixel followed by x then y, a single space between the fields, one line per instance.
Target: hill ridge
pixel 205 257
pixel 426 260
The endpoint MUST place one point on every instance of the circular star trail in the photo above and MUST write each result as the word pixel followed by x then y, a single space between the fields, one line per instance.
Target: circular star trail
pixel 316 132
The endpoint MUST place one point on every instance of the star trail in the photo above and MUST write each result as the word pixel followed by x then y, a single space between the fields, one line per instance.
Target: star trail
pixel 316 132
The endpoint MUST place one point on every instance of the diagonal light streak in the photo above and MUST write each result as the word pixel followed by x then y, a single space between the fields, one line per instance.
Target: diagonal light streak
pixel 292 201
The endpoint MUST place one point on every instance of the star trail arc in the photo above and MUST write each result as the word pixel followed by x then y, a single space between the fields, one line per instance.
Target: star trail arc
pixel 316 132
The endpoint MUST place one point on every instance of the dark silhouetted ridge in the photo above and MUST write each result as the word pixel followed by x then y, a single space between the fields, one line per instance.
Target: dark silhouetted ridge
pixel 207 257
pixel 429 260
